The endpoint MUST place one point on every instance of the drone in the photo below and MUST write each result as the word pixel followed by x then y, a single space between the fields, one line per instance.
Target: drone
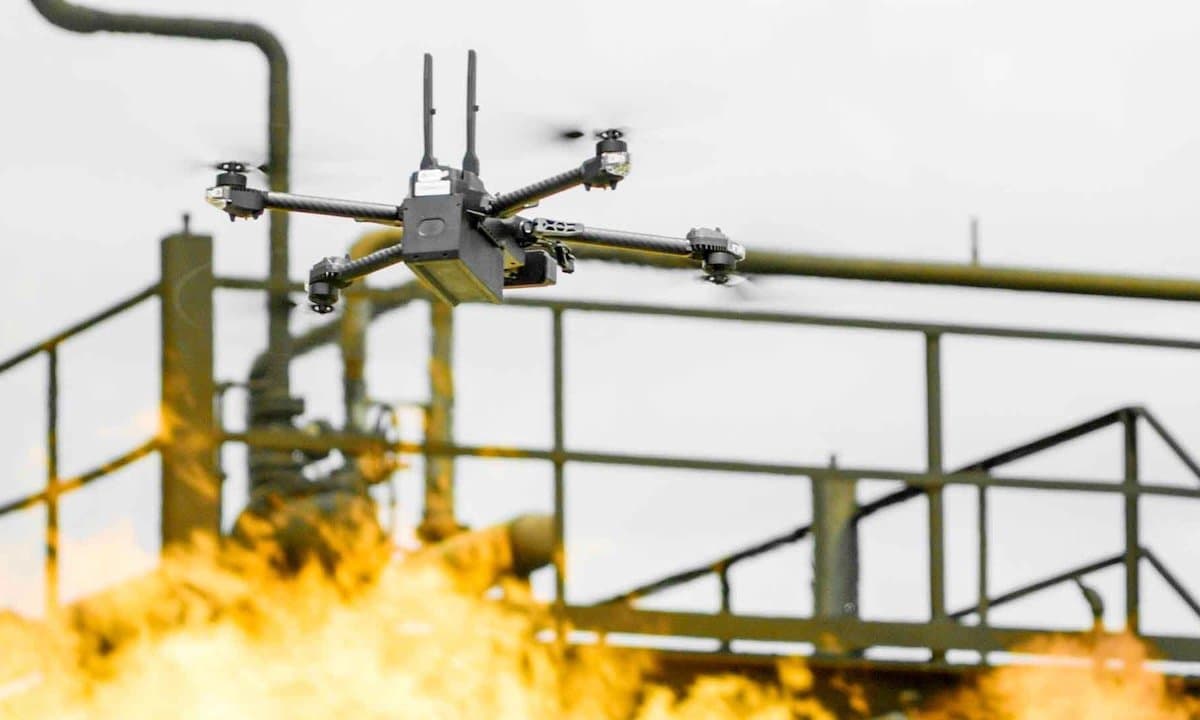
pixel 464 243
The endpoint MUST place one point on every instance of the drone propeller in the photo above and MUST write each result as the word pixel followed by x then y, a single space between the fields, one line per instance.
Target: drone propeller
pixel 725 280
pixel 747 288
pixel 574 132
pixel 238 166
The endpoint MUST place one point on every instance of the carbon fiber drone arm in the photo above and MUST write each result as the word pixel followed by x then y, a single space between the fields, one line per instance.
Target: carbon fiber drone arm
pixel 247 202
pixel 604 170
pixel 333 273
pixel 571 233
pixel 717 253
pixel 505 204
pixel 364 211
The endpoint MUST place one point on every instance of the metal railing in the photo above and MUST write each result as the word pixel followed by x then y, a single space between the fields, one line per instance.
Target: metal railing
pixel 57 486
pixel 942 632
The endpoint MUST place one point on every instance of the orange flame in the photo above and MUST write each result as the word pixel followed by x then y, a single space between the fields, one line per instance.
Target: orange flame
pixel 1073 680
pixel 219 634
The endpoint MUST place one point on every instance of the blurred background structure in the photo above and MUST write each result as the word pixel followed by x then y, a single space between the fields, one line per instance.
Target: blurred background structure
pixel 719 466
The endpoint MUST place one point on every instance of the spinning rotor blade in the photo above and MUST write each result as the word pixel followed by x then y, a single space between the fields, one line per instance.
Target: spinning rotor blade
pixel 570 133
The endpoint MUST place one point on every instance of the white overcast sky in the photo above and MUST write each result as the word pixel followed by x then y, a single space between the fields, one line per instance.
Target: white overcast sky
pixel 869 128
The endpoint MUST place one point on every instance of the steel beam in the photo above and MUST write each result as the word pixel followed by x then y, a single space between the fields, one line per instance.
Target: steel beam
pixel 191 485
pixel 767 262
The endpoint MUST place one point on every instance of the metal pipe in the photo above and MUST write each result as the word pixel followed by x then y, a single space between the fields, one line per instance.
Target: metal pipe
pixel 275 381
pixel 767 262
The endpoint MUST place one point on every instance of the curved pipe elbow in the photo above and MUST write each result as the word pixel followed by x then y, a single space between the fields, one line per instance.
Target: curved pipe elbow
pixel 76 18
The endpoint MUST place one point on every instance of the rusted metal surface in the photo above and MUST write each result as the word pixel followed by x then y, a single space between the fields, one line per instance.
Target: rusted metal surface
pixel 191 485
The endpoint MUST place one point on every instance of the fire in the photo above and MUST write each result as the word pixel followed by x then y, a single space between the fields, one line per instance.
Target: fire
pixel 1103 680
pixel 219 633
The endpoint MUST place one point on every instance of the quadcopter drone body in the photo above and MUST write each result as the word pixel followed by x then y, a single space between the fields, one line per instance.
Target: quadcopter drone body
pixel 463 242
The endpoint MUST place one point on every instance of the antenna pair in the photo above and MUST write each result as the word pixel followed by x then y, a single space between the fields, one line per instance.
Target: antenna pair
pixel 470 161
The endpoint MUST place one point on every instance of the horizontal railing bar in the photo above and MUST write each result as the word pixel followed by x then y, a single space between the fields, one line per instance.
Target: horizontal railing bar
pixel 844 631
pixel 74 483
pixel 80 326
pixel 295 440
pixel 109 467
pixel 862 323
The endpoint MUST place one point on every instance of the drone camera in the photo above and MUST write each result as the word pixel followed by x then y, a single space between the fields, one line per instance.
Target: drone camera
pixel 539 270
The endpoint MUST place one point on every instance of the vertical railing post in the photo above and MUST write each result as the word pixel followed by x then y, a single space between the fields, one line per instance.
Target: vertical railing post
pixel 52 489
pixel 726 604
pixel 439 520
pixel 191 484
pixel 560 560
pixel 1133 553
pixel 933 431
pixel 982 599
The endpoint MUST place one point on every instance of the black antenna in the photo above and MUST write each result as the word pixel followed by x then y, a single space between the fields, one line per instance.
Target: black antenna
pixel 470 159
pixel 428 161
